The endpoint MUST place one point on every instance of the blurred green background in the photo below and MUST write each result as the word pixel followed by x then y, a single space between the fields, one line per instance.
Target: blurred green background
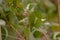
pixel 29 20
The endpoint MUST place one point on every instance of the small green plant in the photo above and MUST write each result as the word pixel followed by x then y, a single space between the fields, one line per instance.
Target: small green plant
pixel 22 17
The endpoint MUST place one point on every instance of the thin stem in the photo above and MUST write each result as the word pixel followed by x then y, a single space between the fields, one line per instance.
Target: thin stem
pixel 59 12
pixel 0 34
pixel 22 38
pixel 46 36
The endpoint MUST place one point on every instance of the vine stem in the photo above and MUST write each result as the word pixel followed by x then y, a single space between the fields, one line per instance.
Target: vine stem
pixel 0 34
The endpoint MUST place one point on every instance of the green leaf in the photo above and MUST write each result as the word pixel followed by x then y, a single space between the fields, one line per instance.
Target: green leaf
pixel 58 35
pixel 37 34
pixel 3 33
pixel 26 32
pixel 31 19
pixel 38 16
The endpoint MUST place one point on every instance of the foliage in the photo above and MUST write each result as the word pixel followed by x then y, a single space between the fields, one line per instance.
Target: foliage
pixel 23 16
